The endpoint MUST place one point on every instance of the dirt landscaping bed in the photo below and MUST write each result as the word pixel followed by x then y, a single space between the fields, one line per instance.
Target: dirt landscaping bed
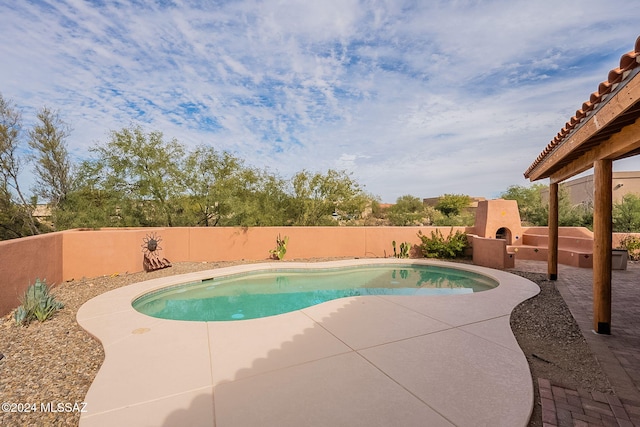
pixel 54 362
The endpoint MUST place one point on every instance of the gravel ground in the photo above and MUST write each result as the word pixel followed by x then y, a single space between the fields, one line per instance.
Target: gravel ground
pixel 51 363
pixel 553 343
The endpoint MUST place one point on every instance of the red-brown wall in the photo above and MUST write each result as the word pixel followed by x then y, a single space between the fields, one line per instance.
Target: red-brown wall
pixel 492 253
pixel 22 261
pixel 74 254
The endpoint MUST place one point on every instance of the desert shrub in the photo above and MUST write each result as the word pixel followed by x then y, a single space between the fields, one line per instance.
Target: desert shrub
pixel 632 245
pixel 438 246
pixel 626 214
pixel 37 304
pixel 465 219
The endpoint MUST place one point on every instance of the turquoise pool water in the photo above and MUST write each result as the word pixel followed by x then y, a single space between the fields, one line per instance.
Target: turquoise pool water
pixel 267 293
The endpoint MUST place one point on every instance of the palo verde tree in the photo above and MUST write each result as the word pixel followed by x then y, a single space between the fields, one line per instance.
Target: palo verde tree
pixel 408 210
pixel 90 203
pixel 144 173
pixel 261 200
pixel 18 217
pixel 222 190
pixel 319 199
pixel 209 179
pixel 532 210
pixel 452 204
pixel 452 208
pixel 47 140
pixel 12 224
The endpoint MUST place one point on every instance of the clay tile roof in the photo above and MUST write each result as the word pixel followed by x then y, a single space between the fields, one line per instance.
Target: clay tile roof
pixel 628 62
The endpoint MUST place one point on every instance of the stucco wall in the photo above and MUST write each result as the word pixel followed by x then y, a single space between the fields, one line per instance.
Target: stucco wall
pixel 575 245
pixel 492 253
pixel 24 260
pixel 493 215
pixel 97 252
pixel 73 254
pixel 562 231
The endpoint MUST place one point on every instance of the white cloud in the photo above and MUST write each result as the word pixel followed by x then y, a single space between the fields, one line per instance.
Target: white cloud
pixel 422 99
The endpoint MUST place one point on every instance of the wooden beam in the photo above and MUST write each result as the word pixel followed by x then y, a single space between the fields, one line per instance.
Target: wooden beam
pixel 602 227
pixel 552 251
pixel 624 99
pixel 616 147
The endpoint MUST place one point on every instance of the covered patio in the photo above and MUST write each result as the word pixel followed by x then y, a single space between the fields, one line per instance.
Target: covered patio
pixel 603 130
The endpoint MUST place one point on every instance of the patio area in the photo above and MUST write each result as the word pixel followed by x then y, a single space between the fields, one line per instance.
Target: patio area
pixel 618 354
pixel 371 361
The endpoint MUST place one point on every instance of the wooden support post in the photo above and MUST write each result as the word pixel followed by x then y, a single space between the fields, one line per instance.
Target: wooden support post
pixel 552 251
pixel 602 227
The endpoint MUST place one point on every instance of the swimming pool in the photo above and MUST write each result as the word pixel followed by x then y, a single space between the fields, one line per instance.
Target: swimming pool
pixel 423 360
pixel 270 292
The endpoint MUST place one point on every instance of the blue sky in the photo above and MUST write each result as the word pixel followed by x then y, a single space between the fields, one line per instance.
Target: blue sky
pixel 411 97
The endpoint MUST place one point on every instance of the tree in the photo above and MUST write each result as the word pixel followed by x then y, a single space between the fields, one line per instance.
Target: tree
pixel 626 214
pixel 210 180
pixel 52 164
pixel 318 199
pixel 145 171
pixel 529 199
pixel 533 211
pixel 453 204
pixel 408 210
pixel 570 215
pixel 10 167
pixel 223 191
pixel 273 200
pixel 90 204
pixel 12 224
pixel 260 200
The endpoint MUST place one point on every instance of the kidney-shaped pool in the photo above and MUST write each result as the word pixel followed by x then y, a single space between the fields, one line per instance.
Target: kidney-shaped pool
pixel 270 292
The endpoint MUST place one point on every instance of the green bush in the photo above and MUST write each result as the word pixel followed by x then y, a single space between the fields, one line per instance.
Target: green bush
pixel 437 246
pixel 37 304
pixel 632 245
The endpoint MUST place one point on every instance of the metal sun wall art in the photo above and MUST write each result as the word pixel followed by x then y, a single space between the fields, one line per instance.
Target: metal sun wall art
pixel 151 249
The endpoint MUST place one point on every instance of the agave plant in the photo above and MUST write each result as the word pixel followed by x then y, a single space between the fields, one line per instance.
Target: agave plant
pixel 37 304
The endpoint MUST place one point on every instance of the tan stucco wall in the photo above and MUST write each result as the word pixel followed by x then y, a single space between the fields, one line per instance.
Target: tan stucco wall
pixel 582 232
pixel 24 260
pixel 73 254
pixel 107 251
pixel 575 245
pixel 492 215
pixel 492 253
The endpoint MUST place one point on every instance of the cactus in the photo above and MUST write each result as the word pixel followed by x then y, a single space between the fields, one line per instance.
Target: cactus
pixel 281 248
pixel 404 249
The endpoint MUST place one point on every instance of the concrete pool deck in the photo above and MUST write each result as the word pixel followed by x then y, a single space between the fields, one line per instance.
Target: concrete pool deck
pixel 447 360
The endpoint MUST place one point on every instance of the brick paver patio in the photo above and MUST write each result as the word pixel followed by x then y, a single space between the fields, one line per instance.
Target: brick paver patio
pixel 618 353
